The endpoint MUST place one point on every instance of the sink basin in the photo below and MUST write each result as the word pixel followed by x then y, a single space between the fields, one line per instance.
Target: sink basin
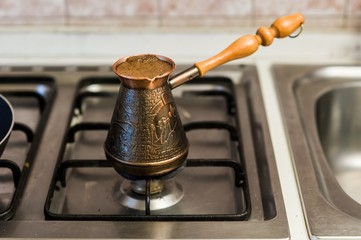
pixel 322 116
pixel 338 120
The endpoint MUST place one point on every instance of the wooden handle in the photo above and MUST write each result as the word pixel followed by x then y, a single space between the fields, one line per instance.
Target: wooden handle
pixel 248 44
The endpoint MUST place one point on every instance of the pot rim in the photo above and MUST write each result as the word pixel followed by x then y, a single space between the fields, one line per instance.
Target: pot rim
pixel 160 57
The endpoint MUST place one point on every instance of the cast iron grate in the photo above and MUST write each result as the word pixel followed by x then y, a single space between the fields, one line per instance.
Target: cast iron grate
pixel 15 171
pixel 108 87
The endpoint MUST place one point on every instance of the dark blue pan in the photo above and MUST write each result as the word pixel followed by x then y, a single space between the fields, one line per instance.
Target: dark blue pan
pixel 6 122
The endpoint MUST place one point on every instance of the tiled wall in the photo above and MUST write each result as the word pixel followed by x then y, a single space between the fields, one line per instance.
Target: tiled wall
pixel 176 13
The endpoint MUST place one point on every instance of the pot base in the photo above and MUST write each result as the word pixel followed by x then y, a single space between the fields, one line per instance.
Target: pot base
pixel 142 172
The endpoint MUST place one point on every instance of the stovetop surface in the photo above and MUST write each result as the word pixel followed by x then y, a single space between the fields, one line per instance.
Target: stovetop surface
pixel 230 186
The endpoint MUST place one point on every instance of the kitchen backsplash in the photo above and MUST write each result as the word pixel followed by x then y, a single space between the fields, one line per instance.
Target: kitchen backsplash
pixel 176 13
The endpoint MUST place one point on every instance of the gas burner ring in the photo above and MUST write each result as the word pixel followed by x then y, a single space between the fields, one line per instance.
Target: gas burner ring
pixel 164 194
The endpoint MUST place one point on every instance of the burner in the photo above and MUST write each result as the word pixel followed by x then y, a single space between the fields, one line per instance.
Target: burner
pixel 163 194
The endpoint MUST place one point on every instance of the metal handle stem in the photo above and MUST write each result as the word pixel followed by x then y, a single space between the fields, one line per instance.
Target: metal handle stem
pixel 182 77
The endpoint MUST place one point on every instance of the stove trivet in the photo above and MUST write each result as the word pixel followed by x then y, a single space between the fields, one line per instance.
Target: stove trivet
pixel 15 88
pixel 146 213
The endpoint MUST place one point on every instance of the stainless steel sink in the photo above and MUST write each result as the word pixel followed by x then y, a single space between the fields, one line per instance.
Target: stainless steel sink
pixel 322 115
pixel 338 116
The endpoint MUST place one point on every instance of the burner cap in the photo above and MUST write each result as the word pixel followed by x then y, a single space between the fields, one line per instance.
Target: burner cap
pixel 164 194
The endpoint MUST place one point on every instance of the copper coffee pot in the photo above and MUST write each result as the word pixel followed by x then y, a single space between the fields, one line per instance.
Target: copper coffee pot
pixel 146 139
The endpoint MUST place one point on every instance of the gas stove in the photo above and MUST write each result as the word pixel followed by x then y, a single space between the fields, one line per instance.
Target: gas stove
pixel 57 183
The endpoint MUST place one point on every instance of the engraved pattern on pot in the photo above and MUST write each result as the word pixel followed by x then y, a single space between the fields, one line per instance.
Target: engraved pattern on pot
pixel 148 130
